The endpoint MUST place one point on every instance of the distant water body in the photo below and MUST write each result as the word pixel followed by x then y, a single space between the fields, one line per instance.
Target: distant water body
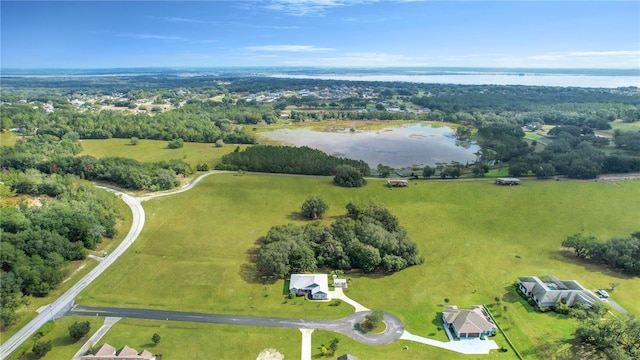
pixel 593 78
pixel 529 77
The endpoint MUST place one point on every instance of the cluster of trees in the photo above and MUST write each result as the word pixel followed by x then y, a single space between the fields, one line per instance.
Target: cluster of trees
pixel 47 154
pixel 615 337
pixel 348 176
pixel 574 152
pixel 453 170
pixel 620 253
pixel 369 238
pixel 288 160
pixel 37 241
pixel 628 140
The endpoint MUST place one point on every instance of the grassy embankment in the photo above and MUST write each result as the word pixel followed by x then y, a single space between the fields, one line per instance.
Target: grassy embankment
pixel 477 238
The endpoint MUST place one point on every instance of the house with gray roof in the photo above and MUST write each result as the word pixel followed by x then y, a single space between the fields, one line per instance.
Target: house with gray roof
pixel 468 323
pixel 315 286
pixel 549 291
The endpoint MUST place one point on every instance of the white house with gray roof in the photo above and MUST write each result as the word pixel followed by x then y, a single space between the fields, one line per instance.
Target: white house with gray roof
pixel 316 286
pixel 548 291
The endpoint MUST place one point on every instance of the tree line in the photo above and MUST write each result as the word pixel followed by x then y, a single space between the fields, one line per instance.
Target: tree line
pixel 618 252
pixel 288 160
pixel 369 237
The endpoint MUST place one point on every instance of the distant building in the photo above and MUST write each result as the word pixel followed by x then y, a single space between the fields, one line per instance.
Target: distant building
pixel 397 182
pixel 507 181
pixel 108 352
pixel 549 291
pixel 315 286
pixel 468 323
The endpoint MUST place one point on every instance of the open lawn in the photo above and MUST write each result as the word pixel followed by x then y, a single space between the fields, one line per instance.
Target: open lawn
pixel 477 238
pixel 156 150
pixel 8 138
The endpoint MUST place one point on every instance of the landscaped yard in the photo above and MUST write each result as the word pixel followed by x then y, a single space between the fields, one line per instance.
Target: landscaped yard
pixel 477 238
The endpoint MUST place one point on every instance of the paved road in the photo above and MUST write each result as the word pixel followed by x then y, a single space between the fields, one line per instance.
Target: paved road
pixel 347 326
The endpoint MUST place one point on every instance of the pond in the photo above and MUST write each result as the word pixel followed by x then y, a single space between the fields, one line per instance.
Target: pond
pixel 398 147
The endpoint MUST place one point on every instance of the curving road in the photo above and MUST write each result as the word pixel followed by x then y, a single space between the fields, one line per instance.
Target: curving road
pixel 65 301
pixel 348 326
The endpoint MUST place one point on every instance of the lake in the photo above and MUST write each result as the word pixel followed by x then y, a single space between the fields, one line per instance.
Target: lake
pixel 398 147
pixel 536 79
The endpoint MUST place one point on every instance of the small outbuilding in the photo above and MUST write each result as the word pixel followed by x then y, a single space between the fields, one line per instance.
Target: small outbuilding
pixel 507 181
pixel 339 283
pixel 397 182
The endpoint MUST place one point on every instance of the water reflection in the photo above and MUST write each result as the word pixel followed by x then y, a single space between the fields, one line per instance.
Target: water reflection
pixel 398 147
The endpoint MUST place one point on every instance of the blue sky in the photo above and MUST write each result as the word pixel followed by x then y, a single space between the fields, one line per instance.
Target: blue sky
pixel 345 33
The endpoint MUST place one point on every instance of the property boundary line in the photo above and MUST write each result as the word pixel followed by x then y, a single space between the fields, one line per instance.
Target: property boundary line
pixel 504 334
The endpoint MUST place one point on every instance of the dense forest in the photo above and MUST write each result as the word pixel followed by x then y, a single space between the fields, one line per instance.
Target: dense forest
pixel 288 160
pixel 368 238
pixel 38 239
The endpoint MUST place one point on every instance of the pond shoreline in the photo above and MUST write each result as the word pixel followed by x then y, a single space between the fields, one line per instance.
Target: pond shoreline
pixel 396 145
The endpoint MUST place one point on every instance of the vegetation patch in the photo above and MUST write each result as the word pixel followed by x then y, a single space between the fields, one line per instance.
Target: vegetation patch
pixel 369 237
pixel 288 160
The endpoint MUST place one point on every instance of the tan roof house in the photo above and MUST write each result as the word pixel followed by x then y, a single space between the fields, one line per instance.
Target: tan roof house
pixel 108 352
pixel 468 323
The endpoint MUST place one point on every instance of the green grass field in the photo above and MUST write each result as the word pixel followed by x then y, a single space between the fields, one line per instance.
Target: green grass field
pixel 477 238
pixel 8 138
pixel 156 150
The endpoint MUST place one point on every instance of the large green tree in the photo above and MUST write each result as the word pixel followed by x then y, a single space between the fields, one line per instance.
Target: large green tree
pixel 314 207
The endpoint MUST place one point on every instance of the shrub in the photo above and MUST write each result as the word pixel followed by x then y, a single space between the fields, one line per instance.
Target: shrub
pixel 40 348
pixel 79 329
pixel 175 144
pixel 314 208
